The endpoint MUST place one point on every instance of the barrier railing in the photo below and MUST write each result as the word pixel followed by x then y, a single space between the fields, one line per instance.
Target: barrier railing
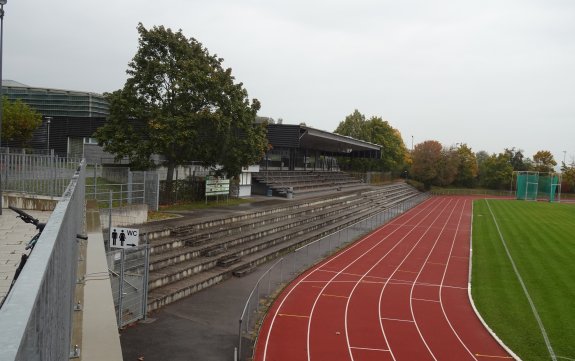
pixel 46 175
pixel 287 268
pixel 36 317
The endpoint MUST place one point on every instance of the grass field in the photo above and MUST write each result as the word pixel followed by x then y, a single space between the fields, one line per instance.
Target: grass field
pixel 541 240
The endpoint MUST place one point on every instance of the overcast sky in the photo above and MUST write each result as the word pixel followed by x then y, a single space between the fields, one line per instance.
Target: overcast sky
pixel 489 73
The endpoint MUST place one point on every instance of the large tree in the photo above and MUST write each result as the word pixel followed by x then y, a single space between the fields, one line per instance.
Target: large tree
pixel 495 171
pixel 544 161
pixel 426 158
pixel 378 131
pixel 180 102
pixel 518 160
pixel 467 167
pixel 19 122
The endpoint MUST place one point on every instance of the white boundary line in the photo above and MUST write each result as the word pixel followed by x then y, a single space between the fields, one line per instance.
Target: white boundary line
pixel 443 280
pixel 411 298
pixel 493 334
pixel 385 285
pixel 533 309
pixel 312 270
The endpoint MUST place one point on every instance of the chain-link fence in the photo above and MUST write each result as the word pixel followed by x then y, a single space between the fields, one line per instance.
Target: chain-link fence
pixel 290 266
pixel 128 270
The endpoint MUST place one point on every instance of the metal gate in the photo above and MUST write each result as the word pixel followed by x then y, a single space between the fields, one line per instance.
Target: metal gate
pixel 128 270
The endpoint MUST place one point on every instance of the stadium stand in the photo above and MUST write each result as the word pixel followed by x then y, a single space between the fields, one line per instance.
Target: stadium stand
pixel 187 256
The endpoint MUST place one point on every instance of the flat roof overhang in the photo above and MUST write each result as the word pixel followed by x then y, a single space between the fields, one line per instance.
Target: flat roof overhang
pixel 312 138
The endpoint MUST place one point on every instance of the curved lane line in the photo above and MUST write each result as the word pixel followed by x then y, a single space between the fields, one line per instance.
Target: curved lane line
pixel 419 274
pixel 310 272
pixel 443 280
pixel 346 267
pixel 385 285
pixel 386 282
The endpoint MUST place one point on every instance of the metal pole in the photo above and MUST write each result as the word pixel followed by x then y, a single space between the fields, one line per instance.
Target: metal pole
pixel 146 276
pixel 240 341
pixel 121 289
pixel 2 3
pixel 109 219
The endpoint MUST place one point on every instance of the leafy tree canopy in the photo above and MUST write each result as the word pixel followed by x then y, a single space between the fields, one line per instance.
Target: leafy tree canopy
pixel 544 161
pixel 378 131
pixel 18 122
pixel 179 102
pixel 426 157
pixel 467 168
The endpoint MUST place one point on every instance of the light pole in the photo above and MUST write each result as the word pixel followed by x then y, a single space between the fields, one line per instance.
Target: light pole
pixel 2 3
pixel 48 120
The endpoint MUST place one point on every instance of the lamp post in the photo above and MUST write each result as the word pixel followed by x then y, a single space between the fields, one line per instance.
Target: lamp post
pixel 48 120
pixel 2 3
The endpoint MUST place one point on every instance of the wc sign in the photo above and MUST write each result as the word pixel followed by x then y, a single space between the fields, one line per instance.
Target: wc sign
pixel 124 237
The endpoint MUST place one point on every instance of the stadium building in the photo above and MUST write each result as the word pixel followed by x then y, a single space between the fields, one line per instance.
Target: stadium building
pixel 69 118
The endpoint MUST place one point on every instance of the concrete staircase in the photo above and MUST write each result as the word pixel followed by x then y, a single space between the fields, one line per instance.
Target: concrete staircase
pixel 302 181
pixel 187 256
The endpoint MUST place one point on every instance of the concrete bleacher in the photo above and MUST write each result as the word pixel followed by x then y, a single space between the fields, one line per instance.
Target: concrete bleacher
pixel 302 181
pixel 187 256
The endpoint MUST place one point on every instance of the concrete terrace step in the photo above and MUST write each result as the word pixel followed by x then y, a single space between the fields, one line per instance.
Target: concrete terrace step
pixel 249 244
pixel 191 237
pixel 238 243
pixel 184 287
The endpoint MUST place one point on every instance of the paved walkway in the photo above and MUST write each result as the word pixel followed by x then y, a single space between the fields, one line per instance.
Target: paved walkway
pixel 14 234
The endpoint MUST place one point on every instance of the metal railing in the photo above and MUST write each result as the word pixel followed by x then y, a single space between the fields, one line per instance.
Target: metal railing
pixel 36 317
pixel 128 270
pixel 471 192
pixel 293 264
pixel 46 175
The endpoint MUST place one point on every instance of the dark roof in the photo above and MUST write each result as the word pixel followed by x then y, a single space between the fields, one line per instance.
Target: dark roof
pixel 302 136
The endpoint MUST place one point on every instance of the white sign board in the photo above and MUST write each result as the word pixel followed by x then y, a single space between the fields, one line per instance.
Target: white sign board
pixel 124 237
pixel 217 186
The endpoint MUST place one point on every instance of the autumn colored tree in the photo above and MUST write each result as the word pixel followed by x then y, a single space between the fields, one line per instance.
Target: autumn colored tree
pixel 378 131
pixel 544 161
pixel 425 159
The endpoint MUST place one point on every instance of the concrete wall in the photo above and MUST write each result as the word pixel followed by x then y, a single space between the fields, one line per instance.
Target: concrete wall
pixel 125 216
pixel 29 202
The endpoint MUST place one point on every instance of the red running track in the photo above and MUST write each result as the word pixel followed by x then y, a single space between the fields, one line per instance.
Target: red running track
pixel 400 293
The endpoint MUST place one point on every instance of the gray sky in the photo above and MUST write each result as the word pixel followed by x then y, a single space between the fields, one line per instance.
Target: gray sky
pixel 492 74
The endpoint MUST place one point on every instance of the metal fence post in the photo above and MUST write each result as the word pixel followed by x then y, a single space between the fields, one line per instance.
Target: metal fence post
pixel 129 191
pixel 146 275
pixel 121 289
pixel 240 341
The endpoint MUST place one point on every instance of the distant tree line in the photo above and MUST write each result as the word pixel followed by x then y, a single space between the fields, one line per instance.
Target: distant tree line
pixel 434 164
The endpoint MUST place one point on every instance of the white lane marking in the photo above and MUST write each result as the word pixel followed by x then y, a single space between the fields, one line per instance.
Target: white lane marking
pixel 411 298
pixel 337 256
pixel 533 308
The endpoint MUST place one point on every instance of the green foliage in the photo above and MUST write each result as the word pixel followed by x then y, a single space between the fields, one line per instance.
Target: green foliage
pixel 544 161
pixel 179 102
pixel 517 160
pixel 378 131
pixel 19 122
pixel 467 167
pixel 539 239
pixel 496 171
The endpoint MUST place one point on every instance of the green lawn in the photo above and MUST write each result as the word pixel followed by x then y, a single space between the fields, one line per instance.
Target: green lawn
pixel 541 239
